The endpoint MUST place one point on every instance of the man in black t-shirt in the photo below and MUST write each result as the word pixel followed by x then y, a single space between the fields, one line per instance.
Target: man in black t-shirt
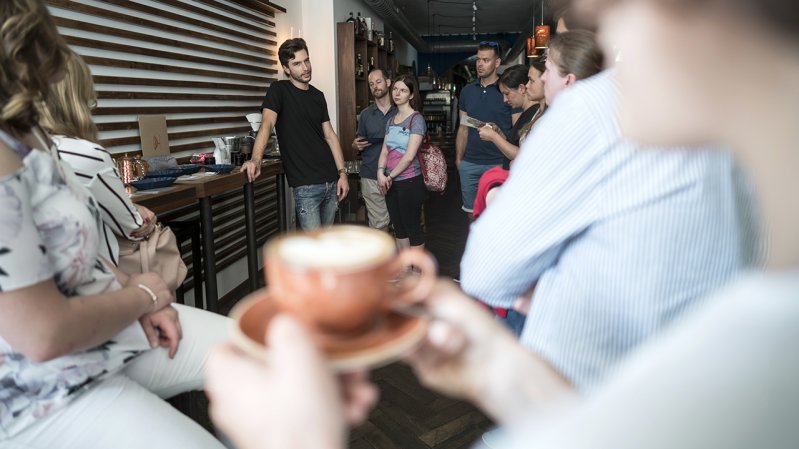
pixel 309 148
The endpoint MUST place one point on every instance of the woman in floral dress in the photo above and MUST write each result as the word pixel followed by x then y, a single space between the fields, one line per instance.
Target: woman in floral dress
pixel 84 353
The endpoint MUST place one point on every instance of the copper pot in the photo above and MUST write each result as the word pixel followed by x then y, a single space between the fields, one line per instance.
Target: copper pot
pixel 130 168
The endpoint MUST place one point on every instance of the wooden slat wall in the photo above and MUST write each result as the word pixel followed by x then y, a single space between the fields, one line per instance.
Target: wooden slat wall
pixel 204 64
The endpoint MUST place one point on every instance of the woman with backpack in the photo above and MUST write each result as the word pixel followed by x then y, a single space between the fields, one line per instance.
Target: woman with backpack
pixel 399 173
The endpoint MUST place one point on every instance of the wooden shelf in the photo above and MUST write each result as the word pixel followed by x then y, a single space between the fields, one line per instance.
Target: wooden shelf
pixel 353 92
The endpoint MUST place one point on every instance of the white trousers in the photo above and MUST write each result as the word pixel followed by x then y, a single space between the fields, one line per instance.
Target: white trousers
pixel 126 411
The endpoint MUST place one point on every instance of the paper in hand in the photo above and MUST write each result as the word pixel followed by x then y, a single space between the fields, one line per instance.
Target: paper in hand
pixel 472 122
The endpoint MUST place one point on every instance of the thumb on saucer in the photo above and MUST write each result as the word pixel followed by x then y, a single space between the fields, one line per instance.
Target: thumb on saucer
pixel 288 339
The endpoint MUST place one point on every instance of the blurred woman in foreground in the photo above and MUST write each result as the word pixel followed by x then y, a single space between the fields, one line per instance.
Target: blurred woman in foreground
pixel 85 352
pixel 725 376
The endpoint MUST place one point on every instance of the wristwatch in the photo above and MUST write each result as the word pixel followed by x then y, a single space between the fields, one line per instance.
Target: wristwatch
pixel 342 171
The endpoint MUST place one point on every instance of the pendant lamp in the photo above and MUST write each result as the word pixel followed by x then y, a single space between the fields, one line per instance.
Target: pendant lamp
pixel 541 31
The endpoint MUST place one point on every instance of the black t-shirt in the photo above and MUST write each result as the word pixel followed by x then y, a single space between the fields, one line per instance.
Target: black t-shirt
pixel 306 156
pixel 513 138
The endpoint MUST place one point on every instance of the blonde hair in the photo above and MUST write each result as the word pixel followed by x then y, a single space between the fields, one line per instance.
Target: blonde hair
pixel 68 108
pixel 32 53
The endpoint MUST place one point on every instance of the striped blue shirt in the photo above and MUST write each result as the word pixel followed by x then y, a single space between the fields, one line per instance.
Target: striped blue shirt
pixel 620 240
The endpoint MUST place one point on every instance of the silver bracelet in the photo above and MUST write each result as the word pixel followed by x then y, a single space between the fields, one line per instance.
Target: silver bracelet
pixel 151 293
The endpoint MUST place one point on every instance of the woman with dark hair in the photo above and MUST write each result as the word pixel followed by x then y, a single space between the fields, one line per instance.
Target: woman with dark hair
pixel 85 352
pixel 513 83
pixel 535 92
pixel 399 173
pixel 534 104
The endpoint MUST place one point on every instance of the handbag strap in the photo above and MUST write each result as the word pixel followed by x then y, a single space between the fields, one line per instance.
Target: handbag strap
pixel 426 132
pixel 419 151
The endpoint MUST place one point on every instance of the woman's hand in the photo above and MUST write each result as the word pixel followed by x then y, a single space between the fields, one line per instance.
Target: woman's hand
pixel 292 400
pixel 163 329
pixel 469 355
pixel 489 132
pixel 383 183
pixel 149 220
pixel 156 284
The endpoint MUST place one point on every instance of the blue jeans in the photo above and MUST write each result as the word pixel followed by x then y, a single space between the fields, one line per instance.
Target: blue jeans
pixel 470 174
pixel 515 321
pixel 316 205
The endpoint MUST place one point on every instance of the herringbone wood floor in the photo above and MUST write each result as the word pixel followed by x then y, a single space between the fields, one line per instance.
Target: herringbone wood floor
pixel 410 416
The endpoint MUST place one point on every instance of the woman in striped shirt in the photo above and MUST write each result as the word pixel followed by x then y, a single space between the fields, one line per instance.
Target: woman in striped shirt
pixel 67 117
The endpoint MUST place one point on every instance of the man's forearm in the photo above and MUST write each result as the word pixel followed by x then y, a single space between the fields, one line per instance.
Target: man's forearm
pixel 335 148
pixel 460 143
pixel 261 140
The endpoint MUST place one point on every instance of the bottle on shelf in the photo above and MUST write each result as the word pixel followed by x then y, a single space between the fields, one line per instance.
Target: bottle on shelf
pixel 356 23
pixel 371 63
pixel 358 66
pixel 381 40
pixel 361 25
pixel 390 42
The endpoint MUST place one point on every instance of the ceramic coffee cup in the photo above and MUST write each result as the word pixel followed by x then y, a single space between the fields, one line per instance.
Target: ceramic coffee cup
pixel 338 280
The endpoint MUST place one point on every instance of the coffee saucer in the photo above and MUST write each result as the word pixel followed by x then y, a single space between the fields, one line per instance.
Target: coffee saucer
pixel 381 345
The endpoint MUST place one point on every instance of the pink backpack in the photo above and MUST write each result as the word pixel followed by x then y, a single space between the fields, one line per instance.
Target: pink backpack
pixel 433 164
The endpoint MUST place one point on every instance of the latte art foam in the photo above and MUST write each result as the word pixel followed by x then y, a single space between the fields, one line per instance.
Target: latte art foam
pixel 336 249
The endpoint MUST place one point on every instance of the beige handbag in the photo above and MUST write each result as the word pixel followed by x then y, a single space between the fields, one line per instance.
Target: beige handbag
pixel 158 253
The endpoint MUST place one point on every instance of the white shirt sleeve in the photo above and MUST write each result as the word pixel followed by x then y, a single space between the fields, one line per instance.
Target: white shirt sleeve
pixel 93 166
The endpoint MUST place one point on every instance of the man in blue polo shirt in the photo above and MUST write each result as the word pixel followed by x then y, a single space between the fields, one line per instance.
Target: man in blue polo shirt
pixel 369 141
pixel 483 101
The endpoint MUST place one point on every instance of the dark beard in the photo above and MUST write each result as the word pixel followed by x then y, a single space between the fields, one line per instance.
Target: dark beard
pixel 299 79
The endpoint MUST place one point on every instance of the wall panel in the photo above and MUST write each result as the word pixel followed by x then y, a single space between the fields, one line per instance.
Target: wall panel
pixel 204 64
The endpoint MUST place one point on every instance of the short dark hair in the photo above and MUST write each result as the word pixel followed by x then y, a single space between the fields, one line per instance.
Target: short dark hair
pixel 289 48
pixel 378 69
pixel 490 45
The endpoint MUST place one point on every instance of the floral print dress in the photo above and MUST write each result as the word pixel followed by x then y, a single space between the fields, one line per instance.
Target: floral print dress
pixel 49 229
